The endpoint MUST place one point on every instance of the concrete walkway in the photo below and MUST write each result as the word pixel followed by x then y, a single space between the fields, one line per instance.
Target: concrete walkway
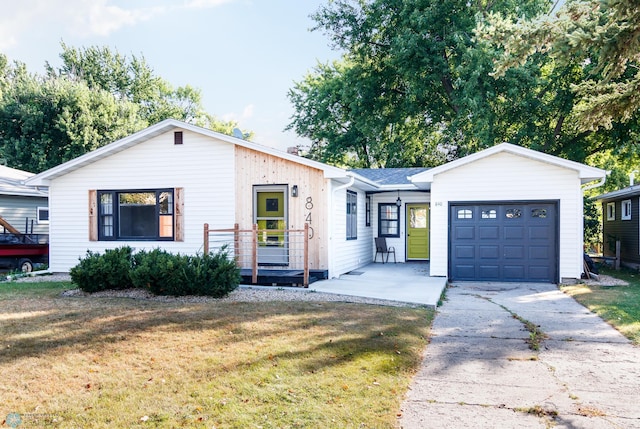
pixel 404 282
pixel 479 372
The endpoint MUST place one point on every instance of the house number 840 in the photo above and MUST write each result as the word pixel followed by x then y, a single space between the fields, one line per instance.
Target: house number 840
pixel 309 205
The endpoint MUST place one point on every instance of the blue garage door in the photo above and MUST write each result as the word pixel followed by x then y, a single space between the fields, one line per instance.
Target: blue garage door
pixel 504 242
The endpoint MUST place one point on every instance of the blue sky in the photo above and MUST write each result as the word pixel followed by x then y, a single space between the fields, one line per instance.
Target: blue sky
pixel 244 55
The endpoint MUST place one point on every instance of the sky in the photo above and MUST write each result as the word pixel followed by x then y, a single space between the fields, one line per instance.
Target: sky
pixel 244 55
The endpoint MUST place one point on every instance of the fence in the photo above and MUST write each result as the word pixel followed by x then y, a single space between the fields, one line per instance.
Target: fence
pixel 273 249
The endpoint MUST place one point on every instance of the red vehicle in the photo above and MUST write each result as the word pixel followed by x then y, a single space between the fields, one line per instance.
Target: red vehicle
pixel 20 251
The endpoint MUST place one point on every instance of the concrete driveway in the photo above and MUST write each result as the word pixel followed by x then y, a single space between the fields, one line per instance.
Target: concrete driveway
pixel 479 372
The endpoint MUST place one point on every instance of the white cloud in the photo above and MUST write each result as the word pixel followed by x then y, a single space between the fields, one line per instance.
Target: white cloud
pixel 247 113
pixel 81 17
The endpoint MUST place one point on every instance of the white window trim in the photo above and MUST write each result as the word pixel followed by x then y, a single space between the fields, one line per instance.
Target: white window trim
pixel 626 210
pixel 611 211
pixel 42 221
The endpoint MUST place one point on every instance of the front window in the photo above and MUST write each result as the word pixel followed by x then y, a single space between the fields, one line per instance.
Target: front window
pixel 389 220
pixel 43 215
pixel 352 215
pixel 136 215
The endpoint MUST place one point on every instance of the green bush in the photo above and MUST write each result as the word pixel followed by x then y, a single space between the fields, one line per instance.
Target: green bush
pixel 110 270
pixel 161 272
pixel 158 271
pixel 214 274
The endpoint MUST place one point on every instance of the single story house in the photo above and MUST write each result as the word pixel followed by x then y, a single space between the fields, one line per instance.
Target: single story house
pixel 621 223
pixel 24 207
pixel 504 214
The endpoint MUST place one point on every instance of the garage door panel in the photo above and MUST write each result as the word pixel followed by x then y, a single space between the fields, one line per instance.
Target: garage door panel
pixel 488 232
pixel 513 232
pixel 514 272
pixel 465 252
pixel 539 252
pixel 539 273
pixel 514 252
pixel 466 272
pixel 504 241
pixel 465 232
pixel 540 232
pixel 489 252
pixel 489 272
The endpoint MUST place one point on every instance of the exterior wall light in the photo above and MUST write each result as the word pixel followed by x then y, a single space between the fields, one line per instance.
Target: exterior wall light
pixel 294 191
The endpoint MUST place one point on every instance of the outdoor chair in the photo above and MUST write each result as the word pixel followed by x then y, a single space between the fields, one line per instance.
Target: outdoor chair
pixel 381 248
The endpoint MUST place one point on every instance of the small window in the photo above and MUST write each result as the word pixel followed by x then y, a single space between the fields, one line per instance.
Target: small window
pixel 177 137
pixel 611 211
pixel 368 211
pixel 513 213
pixel 352 215
pixel 43 215
pixel 539 213
pixel 388 220
pixel 465 214
pixel 626 210
pixel 489 214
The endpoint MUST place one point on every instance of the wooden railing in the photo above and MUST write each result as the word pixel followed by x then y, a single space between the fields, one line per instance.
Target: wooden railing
pixel 255 247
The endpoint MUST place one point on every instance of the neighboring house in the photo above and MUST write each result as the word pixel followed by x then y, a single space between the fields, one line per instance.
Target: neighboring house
pixel 516 214
pixel 620 222
pixel 24 207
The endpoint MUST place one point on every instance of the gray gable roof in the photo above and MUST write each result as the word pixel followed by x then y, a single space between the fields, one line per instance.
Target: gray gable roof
pixel 389 176
pixel 12 183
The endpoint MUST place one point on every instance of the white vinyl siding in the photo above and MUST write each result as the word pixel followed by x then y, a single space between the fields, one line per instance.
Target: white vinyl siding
pixel 22 213
pixel 399 243
pixel 507 177
pixel 202 166
pixel 347 255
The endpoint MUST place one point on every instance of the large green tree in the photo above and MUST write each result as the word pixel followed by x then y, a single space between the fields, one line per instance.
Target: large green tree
pixel 95 97
pixel 416 86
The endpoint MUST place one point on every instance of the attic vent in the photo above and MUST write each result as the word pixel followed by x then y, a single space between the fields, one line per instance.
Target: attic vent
pixel 177 137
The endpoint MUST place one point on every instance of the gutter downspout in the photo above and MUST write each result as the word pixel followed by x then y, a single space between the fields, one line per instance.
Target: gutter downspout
pixel 347 185
pixel 595 185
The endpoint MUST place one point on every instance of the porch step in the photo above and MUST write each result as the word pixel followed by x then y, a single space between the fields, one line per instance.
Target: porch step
pixel 281 277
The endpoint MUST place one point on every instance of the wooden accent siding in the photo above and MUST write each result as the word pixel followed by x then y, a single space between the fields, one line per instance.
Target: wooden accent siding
pixel 254 168
pixel 627 231
pixel 93 215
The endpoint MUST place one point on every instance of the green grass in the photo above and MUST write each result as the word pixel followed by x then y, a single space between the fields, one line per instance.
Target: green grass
pixel 108 362
pixel 618 305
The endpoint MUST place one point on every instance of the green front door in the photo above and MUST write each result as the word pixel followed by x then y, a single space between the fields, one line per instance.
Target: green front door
pixel 271 217
pixel 417 231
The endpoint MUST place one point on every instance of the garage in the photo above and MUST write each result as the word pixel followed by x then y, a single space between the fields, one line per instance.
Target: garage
pixel 508 214
pixel 504 242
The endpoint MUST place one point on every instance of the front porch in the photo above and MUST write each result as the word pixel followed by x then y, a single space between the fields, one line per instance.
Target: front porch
pixel 403 282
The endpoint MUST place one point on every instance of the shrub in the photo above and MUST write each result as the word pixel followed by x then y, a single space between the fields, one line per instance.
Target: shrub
pixel 214 274
pixel 161 272
pixel 158 271
pixel 110 270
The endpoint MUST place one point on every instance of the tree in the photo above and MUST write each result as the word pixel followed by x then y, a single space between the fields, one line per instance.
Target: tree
pixel 603 35
pixel 95 98
pixel 417 86
pixel 46 121
pixel 413 85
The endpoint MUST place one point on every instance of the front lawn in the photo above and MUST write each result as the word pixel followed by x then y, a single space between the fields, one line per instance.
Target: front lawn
pixel 618 305
pixel 116 362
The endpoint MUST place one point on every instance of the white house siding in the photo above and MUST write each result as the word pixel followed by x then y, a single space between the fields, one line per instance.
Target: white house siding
pixel 406 197
pixel 203 166
pixel 22 213
pixel 508 177
pixel 347 255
